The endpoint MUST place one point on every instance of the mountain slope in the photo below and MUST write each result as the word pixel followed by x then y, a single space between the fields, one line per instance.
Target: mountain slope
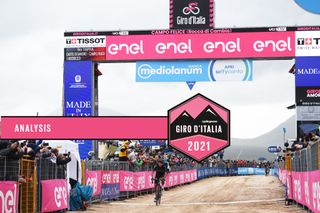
pixel 253 148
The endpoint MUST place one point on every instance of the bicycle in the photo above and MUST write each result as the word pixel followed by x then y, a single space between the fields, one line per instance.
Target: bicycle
pixel 158 190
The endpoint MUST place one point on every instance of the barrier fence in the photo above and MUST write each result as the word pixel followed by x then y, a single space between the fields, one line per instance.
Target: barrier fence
pixel 300 173
pixel 120 180
pixel 45 189
pixel 31 186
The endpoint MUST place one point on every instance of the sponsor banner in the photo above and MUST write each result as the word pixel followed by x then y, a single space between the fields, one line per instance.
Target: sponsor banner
pixel 85 41
pixel 308 96
pixel 308 43
pixel 94 179
pixel 110 191
pixel 78 89
pixel 85 53
pixel 191 14
pixel 54 195
pixel 253 171
pixel 175 71
pixel 152 142
pixel 283 176
pixel 111 177
pixel 307 71
pixel 136 181
pixel 274 149
pixel 193 71
pixel 230 70
pixel 200 46
pixel 9 195
pixel 72 127
pixel 208 172
pixel 308 113
pixel 199 127
pixel 126 181
pixel 305 189
pixel 191 31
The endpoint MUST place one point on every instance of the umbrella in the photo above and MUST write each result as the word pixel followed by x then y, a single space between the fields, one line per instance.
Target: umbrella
pixel 262 158
pixel 311 127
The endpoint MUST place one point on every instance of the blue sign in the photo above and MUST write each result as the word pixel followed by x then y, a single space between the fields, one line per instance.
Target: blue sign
pixel 191 84
pixel 152 142
pixel 253 171
pixel 78 90
pixel 110 191
pixel 78 82
pixel 175 71
pixel 307 71
pixel 193 71
pixel 274 149
pixel 312 6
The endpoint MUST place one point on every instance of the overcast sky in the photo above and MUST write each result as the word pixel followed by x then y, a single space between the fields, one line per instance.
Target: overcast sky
pixel 31 55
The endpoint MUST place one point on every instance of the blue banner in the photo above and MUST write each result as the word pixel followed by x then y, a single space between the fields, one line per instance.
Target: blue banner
pixel 78 91
pixel 274 149
pixel 110 191
pixel 78 82
pixel 307 71
pixel 152 142
pixel 253 171
pixel 193 71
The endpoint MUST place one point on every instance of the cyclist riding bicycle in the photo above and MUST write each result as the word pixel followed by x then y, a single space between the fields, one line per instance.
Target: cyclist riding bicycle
pixel 161 171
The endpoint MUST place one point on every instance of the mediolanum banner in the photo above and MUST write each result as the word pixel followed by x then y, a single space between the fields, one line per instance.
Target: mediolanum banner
pixel 183 71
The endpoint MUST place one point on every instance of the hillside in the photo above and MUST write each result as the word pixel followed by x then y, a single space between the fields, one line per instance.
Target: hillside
pixel 253 148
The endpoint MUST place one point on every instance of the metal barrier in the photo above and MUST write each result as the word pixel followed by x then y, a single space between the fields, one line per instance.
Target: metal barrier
pixel 9 169
pixel 47 170
pixel 220 169
pixel 27 190
pixel 303 160
pixel 30 173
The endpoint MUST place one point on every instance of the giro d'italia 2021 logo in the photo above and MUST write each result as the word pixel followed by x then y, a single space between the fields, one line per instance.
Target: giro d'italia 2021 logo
pixel 199 127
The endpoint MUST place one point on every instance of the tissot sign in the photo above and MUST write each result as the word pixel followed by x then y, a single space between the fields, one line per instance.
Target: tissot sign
pixel 180 44
pixel 199 127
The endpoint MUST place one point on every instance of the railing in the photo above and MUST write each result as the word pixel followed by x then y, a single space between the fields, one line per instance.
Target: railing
pixel 113 180
pixel 300 173
pixel 23 177
pixel 304 160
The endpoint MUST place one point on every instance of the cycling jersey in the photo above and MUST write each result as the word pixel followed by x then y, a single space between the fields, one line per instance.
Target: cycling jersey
pixel 160 171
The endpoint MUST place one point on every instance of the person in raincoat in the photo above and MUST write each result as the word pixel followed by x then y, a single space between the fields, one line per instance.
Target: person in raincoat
pixel 78 195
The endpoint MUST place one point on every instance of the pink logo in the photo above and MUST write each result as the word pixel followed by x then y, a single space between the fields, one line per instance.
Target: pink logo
pixel 8 196
pixel 199 127
pixel 192 8
pixel 94 179
pixel 54 195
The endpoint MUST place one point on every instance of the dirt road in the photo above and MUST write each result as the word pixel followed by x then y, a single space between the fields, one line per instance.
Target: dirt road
pixel 217 194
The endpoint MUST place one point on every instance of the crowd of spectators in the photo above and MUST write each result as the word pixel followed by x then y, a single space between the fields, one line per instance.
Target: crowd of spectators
pixel 32 149
pixel 140 157
pixel 307 140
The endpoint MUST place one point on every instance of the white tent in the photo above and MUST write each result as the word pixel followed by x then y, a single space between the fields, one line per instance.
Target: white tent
pixel 74 166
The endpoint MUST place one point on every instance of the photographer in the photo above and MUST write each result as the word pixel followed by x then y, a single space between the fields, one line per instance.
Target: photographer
pixel 61 159
pixel 45 151
pixel 11 150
